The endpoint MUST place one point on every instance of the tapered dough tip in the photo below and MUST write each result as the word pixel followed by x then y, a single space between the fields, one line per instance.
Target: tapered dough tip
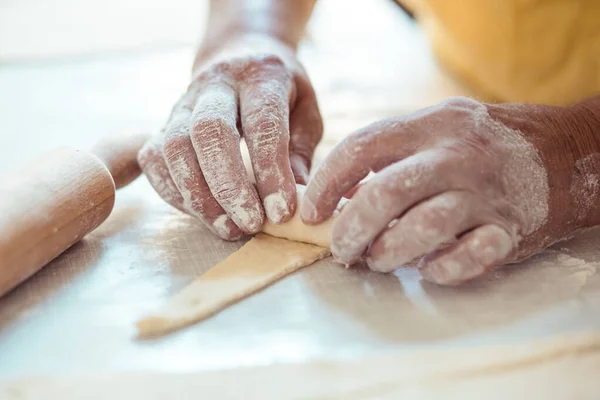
pixel 155 326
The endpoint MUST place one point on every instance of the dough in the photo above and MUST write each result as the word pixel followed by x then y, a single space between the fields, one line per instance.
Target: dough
pixel 260 262
pixel 297 231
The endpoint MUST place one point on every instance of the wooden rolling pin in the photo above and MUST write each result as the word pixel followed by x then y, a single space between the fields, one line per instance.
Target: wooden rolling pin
pixel 57 199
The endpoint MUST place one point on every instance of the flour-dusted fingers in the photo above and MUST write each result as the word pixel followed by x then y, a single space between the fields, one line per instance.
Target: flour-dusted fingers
pixel 185 171
pixel 475 254
pixel 507 172
pixel 306 130
pixel 390 193
pixel 152 162
pixel 428 225
pixel 216 142
pixel 265 93
pixel 370 148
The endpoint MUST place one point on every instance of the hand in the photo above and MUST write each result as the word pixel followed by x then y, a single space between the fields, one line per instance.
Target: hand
pixel 460 186
pixel 252 87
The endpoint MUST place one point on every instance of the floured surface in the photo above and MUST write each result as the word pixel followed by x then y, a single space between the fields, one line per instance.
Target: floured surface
pixel 263 260
pixel 558 368
pixel 78 315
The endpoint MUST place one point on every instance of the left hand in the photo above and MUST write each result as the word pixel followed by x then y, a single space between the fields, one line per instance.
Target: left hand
pixel 454 187
pixel 249 86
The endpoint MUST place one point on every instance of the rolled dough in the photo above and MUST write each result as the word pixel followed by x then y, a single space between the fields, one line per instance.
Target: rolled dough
pixel 297 231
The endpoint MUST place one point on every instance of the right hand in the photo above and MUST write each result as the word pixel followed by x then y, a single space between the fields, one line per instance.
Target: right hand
pixel 252 87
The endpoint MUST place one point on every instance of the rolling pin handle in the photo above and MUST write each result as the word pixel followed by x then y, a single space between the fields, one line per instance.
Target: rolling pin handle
pixel 119 153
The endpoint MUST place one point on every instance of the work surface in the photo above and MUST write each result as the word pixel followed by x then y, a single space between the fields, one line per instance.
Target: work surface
pixel 77 315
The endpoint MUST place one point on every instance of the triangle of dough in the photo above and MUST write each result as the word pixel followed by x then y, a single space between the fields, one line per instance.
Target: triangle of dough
pixel 260 262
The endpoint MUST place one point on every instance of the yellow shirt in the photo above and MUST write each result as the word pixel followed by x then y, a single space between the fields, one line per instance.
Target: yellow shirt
pixel 540 51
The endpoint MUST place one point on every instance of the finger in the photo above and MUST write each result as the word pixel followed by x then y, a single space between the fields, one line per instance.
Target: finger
pixel 475 254
pixel 350 193
pixel 186 174
pixel 306 130
pixel 370 148
pixel 390 193
pixel 152 162
pixel 426 226
pixel 264 109
pixel 216 143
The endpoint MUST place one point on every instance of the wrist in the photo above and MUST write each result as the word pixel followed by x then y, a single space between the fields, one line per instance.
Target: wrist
pixel 584 125
pixel 563 137
pixel 239 43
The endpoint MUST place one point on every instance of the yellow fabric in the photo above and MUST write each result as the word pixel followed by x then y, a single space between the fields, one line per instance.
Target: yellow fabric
pixel 541 51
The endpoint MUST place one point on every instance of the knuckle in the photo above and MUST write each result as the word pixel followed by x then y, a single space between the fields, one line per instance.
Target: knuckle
pixel 433 219
pixel 430 227
pixel 267 132
pixel 375 197
pixel 209 73
pixel 353 144
pixel 227 191
pixel 460 102
pixel 265 60
pixel 412 176
pixel 212 126
pixel 199 202
pixel 369 139
pixel 174 147
pixel 262 66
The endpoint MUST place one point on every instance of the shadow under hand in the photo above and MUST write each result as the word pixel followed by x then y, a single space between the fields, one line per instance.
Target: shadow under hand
pixel 401 307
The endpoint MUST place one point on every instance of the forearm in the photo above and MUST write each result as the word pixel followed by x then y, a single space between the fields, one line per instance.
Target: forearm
pixel 571 145
pixel 568 141
pixel 284 20
pixel 585 128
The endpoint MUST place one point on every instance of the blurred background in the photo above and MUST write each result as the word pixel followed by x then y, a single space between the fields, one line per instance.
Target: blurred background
pixel 72 71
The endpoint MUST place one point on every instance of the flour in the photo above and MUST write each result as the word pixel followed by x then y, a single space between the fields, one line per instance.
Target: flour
pixel 585 185
pixel 523 175
pixel 241 211
pixel 184 180
pixel 276 206
pixel 220 226
pixel 488 252
pixel 343 245
pixel 158 174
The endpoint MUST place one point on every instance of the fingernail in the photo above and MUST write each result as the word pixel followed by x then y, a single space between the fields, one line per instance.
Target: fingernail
pixel 224 227
pixel 345 264
pixel 343 255
pixel 276 207
pixel 308 211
